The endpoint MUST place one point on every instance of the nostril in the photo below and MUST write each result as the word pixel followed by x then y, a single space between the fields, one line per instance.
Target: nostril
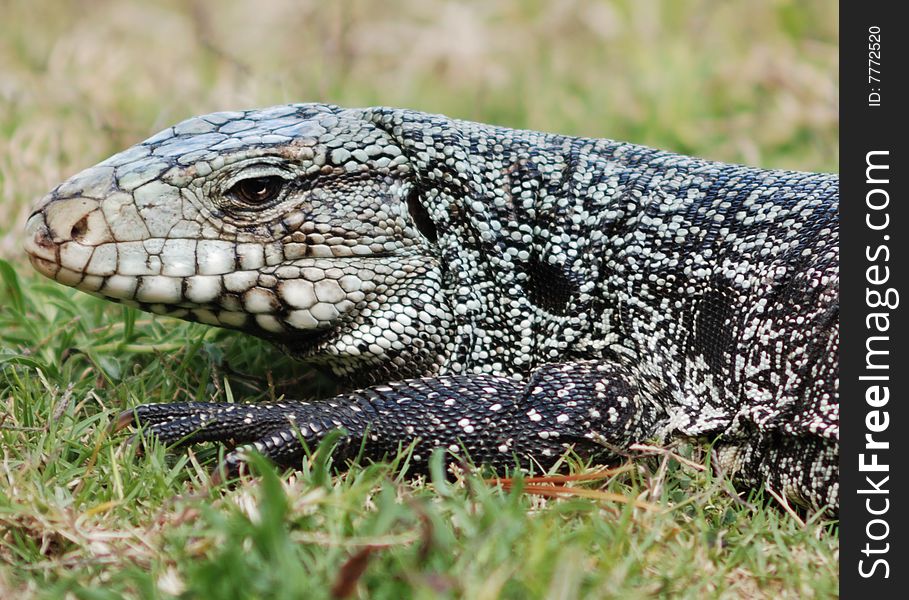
pixel 43 237
pixel 79 230
pixel 77 220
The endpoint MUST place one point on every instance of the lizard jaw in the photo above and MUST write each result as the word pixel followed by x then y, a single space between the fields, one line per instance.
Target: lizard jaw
pixel 297 303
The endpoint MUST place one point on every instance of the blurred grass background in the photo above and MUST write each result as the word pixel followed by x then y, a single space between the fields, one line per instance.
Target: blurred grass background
pixel 750 82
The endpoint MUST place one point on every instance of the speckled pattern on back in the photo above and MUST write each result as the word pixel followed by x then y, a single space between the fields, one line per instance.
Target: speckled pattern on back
pixel 502 294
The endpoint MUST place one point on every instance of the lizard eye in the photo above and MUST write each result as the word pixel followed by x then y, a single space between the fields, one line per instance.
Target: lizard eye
pixel 258 190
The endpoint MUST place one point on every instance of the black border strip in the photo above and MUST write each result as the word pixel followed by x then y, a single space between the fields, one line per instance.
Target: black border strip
pixel 873 261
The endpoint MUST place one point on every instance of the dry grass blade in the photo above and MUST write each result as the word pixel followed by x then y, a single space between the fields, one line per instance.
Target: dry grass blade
pixel 647 450
pixel 554 486
pixel 559 479
pixel 562 491
pixel 350 573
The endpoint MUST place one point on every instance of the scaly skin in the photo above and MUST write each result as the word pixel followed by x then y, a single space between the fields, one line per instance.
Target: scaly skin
pixel 508 294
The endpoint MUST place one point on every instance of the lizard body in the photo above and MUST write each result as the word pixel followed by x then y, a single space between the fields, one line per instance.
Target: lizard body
pixel 501 293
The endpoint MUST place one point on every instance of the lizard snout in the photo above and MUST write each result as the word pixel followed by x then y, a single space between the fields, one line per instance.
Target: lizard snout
pixel 40 246
pixel 63 233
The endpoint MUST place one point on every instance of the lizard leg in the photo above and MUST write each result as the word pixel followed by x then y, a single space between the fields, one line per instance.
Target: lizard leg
pixel 590 407
pixel 193 422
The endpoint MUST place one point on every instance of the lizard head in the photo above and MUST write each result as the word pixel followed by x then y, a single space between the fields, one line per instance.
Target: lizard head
pixel 302 224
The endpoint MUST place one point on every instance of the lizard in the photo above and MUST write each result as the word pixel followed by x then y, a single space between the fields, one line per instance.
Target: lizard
pixel 506 296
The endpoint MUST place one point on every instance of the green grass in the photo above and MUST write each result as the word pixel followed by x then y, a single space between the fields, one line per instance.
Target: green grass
pixel 82 517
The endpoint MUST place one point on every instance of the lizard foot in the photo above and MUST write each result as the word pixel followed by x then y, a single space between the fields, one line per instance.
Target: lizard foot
pixel 281 432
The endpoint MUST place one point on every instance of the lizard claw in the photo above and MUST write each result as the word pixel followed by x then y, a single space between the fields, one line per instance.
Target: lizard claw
pixel 231 467
pixel 280 432
pixel 123 420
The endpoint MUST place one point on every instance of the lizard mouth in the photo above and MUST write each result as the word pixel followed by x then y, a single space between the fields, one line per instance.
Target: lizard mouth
pixel 48 268
pixel 209 281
